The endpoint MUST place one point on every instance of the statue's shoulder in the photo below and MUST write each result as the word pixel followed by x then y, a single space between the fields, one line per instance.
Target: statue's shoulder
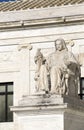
pixel 68 52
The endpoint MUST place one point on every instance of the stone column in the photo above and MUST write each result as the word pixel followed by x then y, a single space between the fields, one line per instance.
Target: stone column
pixel 24 68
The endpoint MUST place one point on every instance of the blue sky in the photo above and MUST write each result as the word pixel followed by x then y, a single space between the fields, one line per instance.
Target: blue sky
pixel 6 0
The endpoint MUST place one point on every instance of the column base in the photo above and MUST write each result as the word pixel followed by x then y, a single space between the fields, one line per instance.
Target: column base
pixel 52 112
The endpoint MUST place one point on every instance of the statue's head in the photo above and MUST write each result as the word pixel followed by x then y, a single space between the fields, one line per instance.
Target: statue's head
pixel 39 49
pixel 60 44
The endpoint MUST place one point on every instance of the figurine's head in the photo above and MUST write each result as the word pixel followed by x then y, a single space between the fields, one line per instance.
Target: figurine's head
pixel 60 44
pixel 39 49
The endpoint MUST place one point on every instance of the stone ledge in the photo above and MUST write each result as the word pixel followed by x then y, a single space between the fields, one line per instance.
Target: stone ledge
pixel 47 102
pixel 42 16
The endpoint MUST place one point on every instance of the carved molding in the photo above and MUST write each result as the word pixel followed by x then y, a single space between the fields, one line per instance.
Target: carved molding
pixel 70 42
pixel 25 46
pixel 6 56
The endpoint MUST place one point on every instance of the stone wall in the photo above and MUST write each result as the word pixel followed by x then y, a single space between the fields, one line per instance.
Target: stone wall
pixel 6 126
pixel 17 61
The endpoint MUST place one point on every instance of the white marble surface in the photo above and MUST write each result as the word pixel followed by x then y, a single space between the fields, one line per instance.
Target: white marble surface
pixel 56 118
pixel 41 122
pixel 18 66
pixel 59 11
pixel 7 126
pixel 60 121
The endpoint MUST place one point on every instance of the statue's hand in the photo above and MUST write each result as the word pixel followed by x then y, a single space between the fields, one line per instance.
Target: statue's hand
pixel 36 77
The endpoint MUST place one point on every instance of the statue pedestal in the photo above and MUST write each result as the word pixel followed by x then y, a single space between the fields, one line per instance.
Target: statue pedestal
pixel 49 112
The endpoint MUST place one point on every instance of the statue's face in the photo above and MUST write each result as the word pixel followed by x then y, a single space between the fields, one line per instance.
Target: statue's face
pixel 59 46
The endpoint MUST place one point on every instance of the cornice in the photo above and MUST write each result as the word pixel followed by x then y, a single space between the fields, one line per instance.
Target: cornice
pixel 71 14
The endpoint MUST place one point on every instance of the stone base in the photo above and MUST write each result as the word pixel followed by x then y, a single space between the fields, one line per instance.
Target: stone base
pixel 49 112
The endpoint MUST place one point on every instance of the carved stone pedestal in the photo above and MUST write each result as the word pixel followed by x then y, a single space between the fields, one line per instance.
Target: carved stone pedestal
pixel 49 112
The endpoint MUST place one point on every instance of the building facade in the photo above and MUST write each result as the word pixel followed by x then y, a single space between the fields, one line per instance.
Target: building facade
pixel 25 27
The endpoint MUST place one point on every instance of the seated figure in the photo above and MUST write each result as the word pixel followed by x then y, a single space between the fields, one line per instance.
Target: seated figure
pixel 62 71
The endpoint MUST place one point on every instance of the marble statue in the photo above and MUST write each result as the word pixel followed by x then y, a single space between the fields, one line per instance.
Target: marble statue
pixel 41 72
pixel 60 72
